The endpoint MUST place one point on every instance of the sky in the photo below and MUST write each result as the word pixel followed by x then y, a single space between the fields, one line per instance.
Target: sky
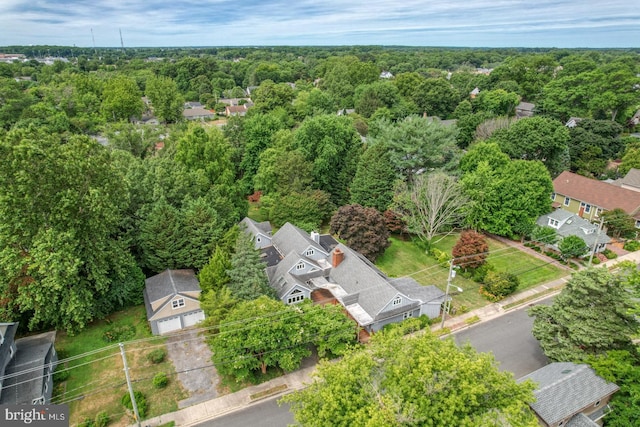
pixel 467 23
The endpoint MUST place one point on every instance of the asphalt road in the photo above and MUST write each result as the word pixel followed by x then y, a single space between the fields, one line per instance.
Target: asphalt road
pixel 509 338
pixel 264 414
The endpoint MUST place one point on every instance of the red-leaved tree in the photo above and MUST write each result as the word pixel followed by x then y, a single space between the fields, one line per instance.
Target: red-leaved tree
pixel 471 250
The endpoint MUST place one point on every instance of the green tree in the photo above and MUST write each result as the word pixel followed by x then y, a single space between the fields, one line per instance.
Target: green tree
pixel 387 385
pixel 61 206
pixel 362 229
pixel 121 99
pixel 373 183
pixel 498 102
pixel 416 144
pixel 572 246
pixel 499 284
pixel 247 277
pixel 270 95
pixel 159 237
pixel 589 317
pixel 257 335
pixel 165 98
pixel 306 208
pixel 619 223
pixel 214 273
pixel 536 138
pixel 333 145
pixel 369 97
pixel 216 304
pixel 328 328
pixel 545 235
pixel 436 97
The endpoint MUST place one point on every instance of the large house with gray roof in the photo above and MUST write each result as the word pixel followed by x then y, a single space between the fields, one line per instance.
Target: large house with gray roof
pixel 171 299
pixel 570 395
pixel 26 367
pixel 567 223
pixel 311 266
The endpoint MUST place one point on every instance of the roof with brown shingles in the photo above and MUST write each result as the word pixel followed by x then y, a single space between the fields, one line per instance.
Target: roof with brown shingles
pixel 597 193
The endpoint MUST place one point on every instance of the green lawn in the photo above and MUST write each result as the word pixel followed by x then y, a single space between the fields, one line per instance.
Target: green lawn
pixel 405 258
pixel 96 382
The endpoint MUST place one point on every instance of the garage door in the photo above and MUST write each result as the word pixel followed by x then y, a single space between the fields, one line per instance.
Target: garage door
pixel 168 325
pixel 193 318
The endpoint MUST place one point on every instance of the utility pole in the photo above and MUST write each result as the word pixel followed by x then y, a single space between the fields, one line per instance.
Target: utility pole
pixel 595 244
pixel 447 303
pixel 126 373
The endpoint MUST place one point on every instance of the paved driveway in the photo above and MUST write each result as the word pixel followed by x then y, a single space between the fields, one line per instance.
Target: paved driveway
pixel 192 359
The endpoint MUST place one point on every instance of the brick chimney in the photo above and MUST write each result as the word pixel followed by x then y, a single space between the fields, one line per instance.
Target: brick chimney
pixel 337 258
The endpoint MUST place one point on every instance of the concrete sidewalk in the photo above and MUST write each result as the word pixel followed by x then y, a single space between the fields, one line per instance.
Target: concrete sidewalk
pixel 298 379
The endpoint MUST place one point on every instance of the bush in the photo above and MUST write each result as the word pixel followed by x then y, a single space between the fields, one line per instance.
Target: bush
pixel 631 245
pixel 160 380
pixel 87 422
pixel 536 248
pixel 119 333
pixel 156 356
pixel 480 273
pixel 498 285
pixel 141 402
pixel 609 254
pixel 61 374
pixel 442 257
pixel 102 419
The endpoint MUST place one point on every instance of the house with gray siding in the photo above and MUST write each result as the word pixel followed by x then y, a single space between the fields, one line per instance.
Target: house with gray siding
pixel 567 223
pixel 171 299
pixel 26 367
pixel 309 264
pixel 570 395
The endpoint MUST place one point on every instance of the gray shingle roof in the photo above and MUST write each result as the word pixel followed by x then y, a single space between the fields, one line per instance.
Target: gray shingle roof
pixel 280 278
pixel 581 420
pixel 565 388
pixel 171 282
pixel 632 178
pixel 574 225
pixel 290 238
pixel 8 331
pixel 31 355
pixel 256 227
pixel 415 290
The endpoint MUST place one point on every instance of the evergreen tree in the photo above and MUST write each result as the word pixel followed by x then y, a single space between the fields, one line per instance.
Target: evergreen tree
pixel 373 183
pixel 247 277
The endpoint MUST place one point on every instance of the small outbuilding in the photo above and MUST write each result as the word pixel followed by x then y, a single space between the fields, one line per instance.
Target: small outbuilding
pixel 172 301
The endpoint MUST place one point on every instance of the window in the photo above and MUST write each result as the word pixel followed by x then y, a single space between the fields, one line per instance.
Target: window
pixel 554 223
pixel 258 239
pixel 407 315
pixel 553 196
pixel 597 403
pixel 177 303
pixel 587 209
pixel 598 211
pixel 567 201
pixel 397 301
pixel 300 266
pixel 294 299
pixel 309 252
pixel 637 224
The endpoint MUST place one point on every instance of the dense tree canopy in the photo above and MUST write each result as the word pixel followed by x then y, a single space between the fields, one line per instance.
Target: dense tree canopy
pixel 418 380
pixel 590 317
pixel 362 229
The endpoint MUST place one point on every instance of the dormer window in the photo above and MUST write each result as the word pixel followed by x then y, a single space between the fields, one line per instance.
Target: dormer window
pixel 397 301
pixel 300 266
pixel 258 239
pixel 177 303
pixel 554 223
pixel 309 252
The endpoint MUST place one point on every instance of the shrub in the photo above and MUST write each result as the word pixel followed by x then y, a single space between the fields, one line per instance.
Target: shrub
pixel 87 422
pixel 61 374
pixel 498 285
pixel 119 333
pixel 102 419
pixel 141 402
pixel 632 245
pixel 595 261
pixel 440 256
pixel 609 254
pixel 156 356
pixel 160 380
pixel 480 273
pixel 536 248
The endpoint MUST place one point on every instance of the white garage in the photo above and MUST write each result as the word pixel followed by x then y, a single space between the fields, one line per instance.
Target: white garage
pixel 169 325
pixel 191 319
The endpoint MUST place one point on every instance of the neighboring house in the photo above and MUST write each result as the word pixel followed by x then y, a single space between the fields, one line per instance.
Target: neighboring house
pixel 236 110
pixel 386 75
pixel 317 267
pixel 26 367
pixel 635 120
pixel 569 224
pixel 198 114
pixel 346 111
pixel 570 395
pixel 475 92
pixel 193 104
pixel 236 101
pixel 631 180
pixel 250 89
pixel 589 197
pixel 171 300
pixel 525 109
